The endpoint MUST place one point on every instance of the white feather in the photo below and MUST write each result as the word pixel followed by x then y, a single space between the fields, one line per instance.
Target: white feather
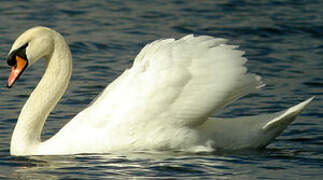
pixel 162 102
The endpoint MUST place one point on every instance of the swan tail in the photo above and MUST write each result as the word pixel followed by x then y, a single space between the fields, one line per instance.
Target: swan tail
pixel 286 117
pixel 250 132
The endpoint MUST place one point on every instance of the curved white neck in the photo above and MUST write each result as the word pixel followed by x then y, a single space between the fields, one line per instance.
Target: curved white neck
pixel 26 135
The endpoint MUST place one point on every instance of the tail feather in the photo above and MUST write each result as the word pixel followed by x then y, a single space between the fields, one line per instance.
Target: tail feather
pixel 249 132
pixel 287 116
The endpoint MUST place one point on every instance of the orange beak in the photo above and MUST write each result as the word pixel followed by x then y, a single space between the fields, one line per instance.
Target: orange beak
pixel 16 70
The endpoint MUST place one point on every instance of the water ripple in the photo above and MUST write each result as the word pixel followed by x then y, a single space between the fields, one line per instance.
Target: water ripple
pixel 282 40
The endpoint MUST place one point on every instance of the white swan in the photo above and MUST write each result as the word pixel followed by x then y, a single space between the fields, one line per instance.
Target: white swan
pixel 163 102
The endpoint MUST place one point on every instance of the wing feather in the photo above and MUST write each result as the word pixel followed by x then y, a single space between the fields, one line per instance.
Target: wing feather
pixel 177 82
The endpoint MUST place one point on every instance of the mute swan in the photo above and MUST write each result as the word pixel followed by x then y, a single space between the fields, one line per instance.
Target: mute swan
pixel 163 102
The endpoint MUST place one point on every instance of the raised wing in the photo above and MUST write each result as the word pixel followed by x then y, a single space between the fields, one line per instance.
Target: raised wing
pixel 177 83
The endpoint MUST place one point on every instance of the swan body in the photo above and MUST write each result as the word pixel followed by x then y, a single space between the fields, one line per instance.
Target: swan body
pixel 163 102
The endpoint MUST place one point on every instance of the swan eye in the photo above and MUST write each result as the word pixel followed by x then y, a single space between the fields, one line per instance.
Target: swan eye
pixel 21 52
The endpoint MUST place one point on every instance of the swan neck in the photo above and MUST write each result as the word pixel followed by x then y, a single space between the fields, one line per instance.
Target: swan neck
pixel 43 99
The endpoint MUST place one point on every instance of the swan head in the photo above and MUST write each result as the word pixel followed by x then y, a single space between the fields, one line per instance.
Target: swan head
pixel 29 47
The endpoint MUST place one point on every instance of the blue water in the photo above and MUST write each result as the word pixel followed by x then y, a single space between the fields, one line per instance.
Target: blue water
pixel 283 41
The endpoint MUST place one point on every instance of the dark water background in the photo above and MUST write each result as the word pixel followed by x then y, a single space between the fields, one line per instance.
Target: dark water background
pixel 283 41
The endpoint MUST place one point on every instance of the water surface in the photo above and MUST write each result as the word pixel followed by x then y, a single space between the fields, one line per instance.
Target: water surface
pixel 282 40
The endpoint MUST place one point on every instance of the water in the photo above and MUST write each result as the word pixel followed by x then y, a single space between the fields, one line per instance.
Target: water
pixel 282 40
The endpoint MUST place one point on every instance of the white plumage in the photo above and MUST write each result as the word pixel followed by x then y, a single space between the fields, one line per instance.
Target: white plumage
pixel 163 102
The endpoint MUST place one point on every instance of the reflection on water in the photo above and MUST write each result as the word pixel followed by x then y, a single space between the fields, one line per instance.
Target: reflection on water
pixel 282 40
pixel 226 165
